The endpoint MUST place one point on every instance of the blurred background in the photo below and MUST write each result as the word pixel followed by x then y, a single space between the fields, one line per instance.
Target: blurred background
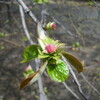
pixel 79 28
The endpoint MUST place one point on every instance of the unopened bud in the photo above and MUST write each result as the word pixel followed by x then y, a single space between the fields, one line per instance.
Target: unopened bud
pixel 54 26
pixel 51 48
pixel 51 25
pixel 28 68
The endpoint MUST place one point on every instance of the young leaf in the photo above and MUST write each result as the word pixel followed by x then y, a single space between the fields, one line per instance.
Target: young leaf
pixel 48 40
pixel 74 61
pixel 2 35
pixel 26 81
pixel 41 1
pixel 30 53
pixel 58 72
pixel 45 1
pixel 28 73
pixel 43 56
pixel 31 79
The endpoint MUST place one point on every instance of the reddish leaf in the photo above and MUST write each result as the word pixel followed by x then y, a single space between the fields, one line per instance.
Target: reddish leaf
pixel 31 79
pixel 25 82
pixel 73 61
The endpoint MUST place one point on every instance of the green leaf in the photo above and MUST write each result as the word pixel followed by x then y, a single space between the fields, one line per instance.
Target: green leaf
pixel 73 61
pixel 28 73
pixel 2 35
pixel 52 61
pixel 45 1
pixel 53 58
pixel 2 47
pixel 30 53
pixel 58 72
pixel 43 56
pixel 48 40
pixel 77 44
pixel 41 1
pixel 25 39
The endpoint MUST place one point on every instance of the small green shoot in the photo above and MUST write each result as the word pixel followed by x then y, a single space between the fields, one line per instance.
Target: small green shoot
pixel 41 1
pixel 91 3
pixel 25 39
pixel 2 35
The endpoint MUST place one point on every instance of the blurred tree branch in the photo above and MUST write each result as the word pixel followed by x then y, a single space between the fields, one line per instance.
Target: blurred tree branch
pixel 42 94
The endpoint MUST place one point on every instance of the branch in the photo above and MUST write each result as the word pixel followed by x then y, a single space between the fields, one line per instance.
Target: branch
pixel 12 42
pixel 90 84
pixel 24 25
pixel 73 93
pixel 42 94
pixel 75 79
pixel 6 2
pixel 80 35
pixel 27 10
pixel 43 15
pixel 97 4
pixel 67 87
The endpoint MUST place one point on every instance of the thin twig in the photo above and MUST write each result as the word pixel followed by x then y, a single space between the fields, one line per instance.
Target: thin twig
pixel 77 31
pixel 70 90
pixel 24 25
pixel 75 79
pixel 43 15
pixel 90 89
pixel 97 4
pixel 11 42
pixel 42 94
pixel 67 87
pixel 27 10
pixel 6 2
pixel 90 84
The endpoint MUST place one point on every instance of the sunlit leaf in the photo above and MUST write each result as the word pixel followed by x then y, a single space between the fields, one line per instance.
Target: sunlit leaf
pixel 30 53
pixel 41 1
pixel 2 35
pixel 31 79
pixel 48 40
pixel 58 72
pixel 43 56
pixel 73 61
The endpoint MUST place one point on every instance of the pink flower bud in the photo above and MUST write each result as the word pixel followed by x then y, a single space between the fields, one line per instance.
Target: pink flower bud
pixel 54 26
pixel 51 48
pixel 28 68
